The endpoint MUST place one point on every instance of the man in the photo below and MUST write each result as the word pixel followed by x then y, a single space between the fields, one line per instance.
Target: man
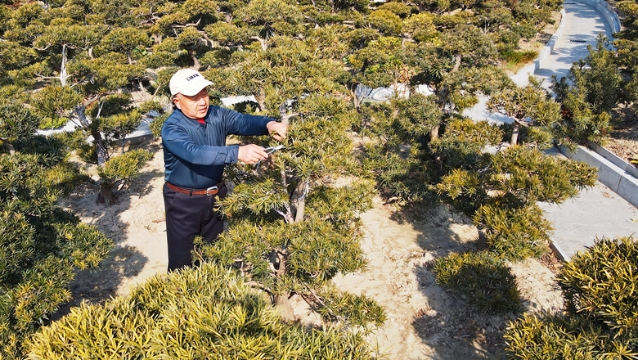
pixel 195 153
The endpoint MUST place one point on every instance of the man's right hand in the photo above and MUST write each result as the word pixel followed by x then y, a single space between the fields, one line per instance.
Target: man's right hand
pixel 251 154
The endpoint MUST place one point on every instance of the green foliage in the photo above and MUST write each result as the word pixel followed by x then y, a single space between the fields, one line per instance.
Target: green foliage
pixel 588 94
pixel 400 9
pixel 149 106
pixel 462 143
pixel 421 26
pixel 54 102
pixel 194 314
pixel 600 284
pixel 462 189
pixel 553 337
pixel 124 167
pixel 315 251
pixel 356 310
pixel 417 116
pixel 514 233
pixel 295 222
pixel 519 57
pixel 16 122
pixel 600 320
pixel 481 279
pixel 528 175
pixel 156 124
pixel 387 22
pixel 500 192
pixel 41 244
pixel 528 106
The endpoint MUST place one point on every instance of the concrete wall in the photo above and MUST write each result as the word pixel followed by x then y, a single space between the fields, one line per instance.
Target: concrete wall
pixel 607 12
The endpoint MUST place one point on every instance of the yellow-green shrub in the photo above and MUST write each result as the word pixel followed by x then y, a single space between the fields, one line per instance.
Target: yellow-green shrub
pixel 601 303
pixel 480 278
pixel 203 313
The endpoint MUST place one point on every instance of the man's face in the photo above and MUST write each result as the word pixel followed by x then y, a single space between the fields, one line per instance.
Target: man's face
pixel 194 107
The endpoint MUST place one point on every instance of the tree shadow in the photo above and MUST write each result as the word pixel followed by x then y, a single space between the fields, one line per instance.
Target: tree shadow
pixel 449 325
pixel 434 222
pixel 125 261
pixel 456 329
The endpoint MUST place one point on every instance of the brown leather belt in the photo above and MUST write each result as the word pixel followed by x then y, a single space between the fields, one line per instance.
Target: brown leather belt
pixel 211 191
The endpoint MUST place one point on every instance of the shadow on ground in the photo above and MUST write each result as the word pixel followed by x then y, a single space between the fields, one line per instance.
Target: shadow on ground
pixel 450 325
pixel 124 261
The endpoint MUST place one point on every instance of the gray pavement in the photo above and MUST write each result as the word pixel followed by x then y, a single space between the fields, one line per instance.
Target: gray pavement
pixel 580 27
pixel 595 213
pixel 599 211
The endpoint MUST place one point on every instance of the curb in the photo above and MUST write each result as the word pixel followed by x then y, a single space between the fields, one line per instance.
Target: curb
pixel 522 76
pixel 618 175
pixel 558 251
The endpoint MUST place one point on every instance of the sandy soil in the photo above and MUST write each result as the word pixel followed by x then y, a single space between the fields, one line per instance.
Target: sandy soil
pixel 623 140
pixel 424 321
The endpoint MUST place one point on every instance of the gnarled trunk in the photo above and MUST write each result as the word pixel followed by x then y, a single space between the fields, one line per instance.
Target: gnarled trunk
pixel 515 131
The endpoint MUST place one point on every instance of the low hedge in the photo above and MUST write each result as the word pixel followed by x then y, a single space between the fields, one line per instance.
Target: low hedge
pixel 203 313
pixel 481 278
pixel 601 309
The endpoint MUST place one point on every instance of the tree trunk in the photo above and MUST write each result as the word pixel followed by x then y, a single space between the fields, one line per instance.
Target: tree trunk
pixel 261 99
pixel 298 200
pixel 457 62
pixel 515 131
pixel 355 99
pixel 106 189
pixel 196 64
pixel 283 307
pixel 106 195
pixel 100 148
pixel 434 133
pixel 63 73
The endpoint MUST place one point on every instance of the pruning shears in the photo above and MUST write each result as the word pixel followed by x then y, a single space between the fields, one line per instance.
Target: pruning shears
pixel 269 151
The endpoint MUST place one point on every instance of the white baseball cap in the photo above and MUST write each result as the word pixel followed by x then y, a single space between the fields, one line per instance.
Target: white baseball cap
pixel 187 82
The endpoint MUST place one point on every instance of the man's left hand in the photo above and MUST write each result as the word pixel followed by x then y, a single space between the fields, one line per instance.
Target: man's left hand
pixel 277 130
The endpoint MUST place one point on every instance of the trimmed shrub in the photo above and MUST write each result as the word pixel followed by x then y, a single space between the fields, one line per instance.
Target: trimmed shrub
pixel 514 234
pixel 600 284
pixel 203 313
pixel 601 309
pixel 519 57
pixel 481 279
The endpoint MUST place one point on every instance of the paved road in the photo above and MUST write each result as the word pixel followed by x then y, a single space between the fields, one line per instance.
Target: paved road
pixel 580 27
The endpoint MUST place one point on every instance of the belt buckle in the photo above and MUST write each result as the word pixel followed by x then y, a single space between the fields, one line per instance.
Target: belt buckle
pixel 211 191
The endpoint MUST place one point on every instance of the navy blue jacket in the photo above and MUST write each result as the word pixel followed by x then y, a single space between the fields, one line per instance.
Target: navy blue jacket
pixel 195 154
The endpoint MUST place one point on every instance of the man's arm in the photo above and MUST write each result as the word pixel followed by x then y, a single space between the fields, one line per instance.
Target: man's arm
pixel 251 154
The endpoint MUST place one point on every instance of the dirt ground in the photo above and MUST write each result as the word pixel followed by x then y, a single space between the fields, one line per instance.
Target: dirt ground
pixel 423 320
pixel 624 136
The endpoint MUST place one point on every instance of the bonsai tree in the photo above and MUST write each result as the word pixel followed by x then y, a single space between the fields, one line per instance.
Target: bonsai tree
pixel 82 67
pixel 41 245
pixel 501 194
pixel 530 106
pixel 290 229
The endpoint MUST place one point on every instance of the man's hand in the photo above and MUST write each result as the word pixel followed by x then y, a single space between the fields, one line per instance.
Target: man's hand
pixel 277 130
pixel 251 154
